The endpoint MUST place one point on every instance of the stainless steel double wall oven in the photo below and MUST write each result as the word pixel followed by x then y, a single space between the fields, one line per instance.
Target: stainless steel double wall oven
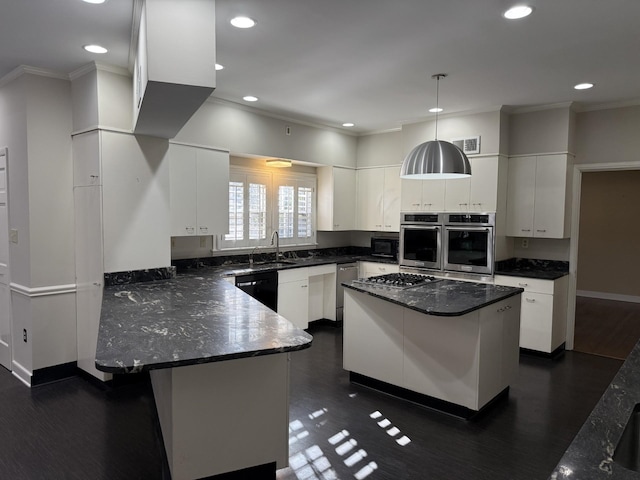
pixel 448 242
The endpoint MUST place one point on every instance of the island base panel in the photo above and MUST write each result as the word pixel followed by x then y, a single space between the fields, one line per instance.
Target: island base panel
pixel 222 417
pixel 426 400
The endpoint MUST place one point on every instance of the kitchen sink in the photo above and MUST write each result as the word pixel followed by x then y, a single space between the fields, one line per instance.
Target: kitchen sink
pixel 627 453
pixel 281 263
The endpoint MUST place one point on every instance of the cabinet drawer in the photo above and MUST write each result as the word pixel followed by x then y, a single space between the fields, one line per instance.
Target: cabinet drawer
pixel 293 274
pixel 529 284
pixel 321 270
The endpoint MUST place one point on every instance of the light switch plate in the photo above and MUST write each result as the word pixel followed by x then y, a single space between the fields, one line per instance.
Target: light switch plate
pixel 13 235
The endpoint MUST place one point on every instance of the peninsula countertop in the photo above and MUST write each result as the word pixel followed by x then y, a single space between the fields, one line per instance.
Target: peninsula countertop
pixel 193 318
pixel 442 297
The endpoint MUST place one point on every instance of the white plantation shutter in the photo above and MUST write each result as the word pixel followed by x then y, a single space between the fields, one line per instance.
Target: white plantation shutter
pixel 261 201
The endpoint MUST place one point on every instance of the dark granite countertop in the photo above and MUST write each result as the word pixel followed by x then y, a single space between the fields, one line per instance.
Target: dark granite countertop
pixel 443 297
pixel 193 318
pixel 531 268
pixel 589 457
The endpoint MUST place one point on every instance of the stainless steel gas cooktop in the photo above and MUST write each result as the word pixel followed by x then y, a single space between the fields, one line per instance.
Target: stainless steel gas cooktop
pixel 399 280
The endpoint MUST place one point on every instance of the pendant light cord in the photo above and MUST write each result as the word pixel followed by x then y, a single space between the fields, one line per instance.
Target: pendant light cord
pixel 437 102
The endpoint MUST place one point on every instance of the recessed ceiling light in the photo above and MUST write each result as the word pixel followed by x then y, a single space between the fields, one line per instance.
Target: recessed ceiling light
pixel 219 67
pixel 243 22
pixel 349 124
pixel 583 86
pixel 95 49
pixel 250 98
pixel 435 110
pixel 519 11
pixel 96 2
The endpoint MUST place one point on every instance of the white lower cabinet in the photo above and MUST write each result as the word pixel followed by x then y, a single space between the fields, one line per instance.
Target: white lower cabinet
pixel 307 293
pixel 293 296
pixel 371 269
pixel 543 318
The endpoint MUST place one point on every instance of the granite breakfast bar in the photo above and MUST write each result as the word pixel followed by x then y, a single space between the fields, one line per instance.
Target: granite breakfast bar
pixel 218 361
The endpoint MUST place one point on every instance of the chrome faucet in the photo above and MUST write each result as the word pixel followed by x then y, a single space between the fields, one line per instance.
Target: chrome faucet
pixel 276 235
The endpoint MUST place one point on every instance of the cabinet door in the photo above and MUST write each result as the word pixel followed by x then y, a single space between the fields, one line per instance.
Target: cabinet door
pixel 373 337
pixel 182 190
pixel 520 196
pixel 483 184
pixel 344 199
pixel 456 195
pixel 536 321
pixel 549 204
pixel 433 192
pixel 391 199
pixel 411 195
pixel 212 191
pixel 369 199
pixel 293 302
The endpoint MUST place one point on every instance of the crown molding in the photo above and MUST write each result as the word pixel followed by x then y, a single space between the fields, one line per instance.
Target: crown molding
pixel 95 66
pixel 27 70
pixel 607 106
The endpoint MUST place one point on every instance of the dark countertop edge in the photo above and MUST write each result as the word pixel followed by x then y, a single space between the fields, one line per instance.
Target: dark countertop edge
pixel 541 275
pixel 199 361
pixel 457 313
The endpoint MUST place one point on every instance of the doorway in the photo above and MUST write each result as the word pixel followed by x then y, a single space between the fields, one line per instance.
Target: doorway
pixel 604 316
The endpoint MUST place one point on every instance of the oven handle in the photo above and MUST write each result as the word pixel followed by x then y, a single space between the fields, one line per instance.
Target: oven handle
pixel 419 227
pixel 475 229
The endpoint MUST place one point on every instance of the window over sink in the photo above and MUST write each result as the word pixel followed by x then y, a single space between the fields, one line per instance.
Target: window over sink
pixel 262 201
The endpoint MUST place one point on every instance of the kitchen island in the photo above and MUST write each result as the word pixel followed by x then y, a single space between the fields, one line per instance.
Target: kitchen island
pixel 218 361
pixel 447 344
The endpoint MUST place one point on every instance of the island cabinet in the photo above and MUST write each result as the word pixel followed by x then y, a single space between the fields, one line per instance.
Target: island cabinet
pixel 539 196
pixel 199 190
pixel 378 199
pixel 336 199
pixel 465 360
pixel 543 320
pixel 371 269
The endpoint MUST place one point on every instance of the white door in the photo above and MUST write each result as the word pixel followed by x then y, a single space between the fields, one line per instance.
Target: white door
pixel 5 296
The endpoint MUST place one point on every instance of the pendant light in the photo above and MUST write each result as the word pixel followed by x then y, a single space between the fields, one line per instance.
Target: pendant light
pixel 435 159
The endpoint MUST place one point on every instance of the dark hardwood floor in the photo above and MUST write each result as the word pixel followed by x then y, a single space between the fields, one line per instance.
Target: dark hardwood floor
pixel 74 429
pixel 606 327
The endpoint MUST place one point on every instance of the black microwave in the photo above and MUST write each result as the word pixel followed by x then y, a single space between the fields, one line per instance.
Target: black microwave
pixel 385 247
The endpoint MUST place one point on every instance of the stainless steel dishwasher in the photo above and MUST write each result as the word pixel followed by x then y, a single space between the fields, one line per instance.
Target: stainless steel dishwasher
pixel 346 273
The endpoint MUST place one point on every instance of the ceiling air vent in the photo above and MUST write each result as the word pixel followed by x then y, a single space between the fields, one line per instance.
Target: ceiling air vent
pixel 468 145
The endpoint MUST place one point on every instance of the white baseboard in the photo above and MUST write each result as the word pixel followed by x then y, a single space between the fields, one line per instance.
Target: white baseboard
pixel 43 291
pixel 21 373
pixel 608 296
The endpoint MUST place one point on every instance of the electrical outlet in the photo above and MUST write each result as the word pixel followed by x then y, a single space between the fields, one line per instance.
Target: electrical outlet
pixel 13 235
pixel 24 335
pixel 525 243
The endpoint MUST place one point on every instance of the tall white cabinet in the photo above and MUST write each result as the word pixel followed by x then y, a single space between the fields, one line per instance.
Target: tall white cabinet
pixel 121 201
pixel 539 196
pixel 199 196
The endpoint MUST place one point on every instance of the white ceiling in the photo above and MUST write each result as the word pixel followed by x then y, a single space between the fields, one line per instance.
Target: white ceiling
pixel 369 61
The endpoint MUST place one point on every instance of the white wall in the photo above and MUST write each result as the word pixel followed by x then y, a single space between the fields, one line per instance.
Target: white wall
pixel 486 125
pixel 380 150
pixel 608 136
pixel 540 131
pixel 244 132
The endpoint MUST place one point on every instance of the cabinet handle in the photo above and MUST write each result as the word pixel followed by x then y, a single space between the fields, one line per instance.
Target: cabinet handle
pixel 97 284
pixel 387 226
pixel 93 176
pixel 304 286
pixel 525 230
pixel 415 204
pixel 190 229
pixel 530 300
pixel 523 284
pixel 541 231
pixel 204 229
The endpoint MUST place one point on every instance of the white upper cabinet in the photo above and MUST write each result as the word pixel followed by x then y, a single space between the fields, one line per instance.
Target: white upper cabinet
pixel 478 193
pixel 538 196
pixel 422 195
pixel 199 193
pixel 378 199
pixel 336 199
